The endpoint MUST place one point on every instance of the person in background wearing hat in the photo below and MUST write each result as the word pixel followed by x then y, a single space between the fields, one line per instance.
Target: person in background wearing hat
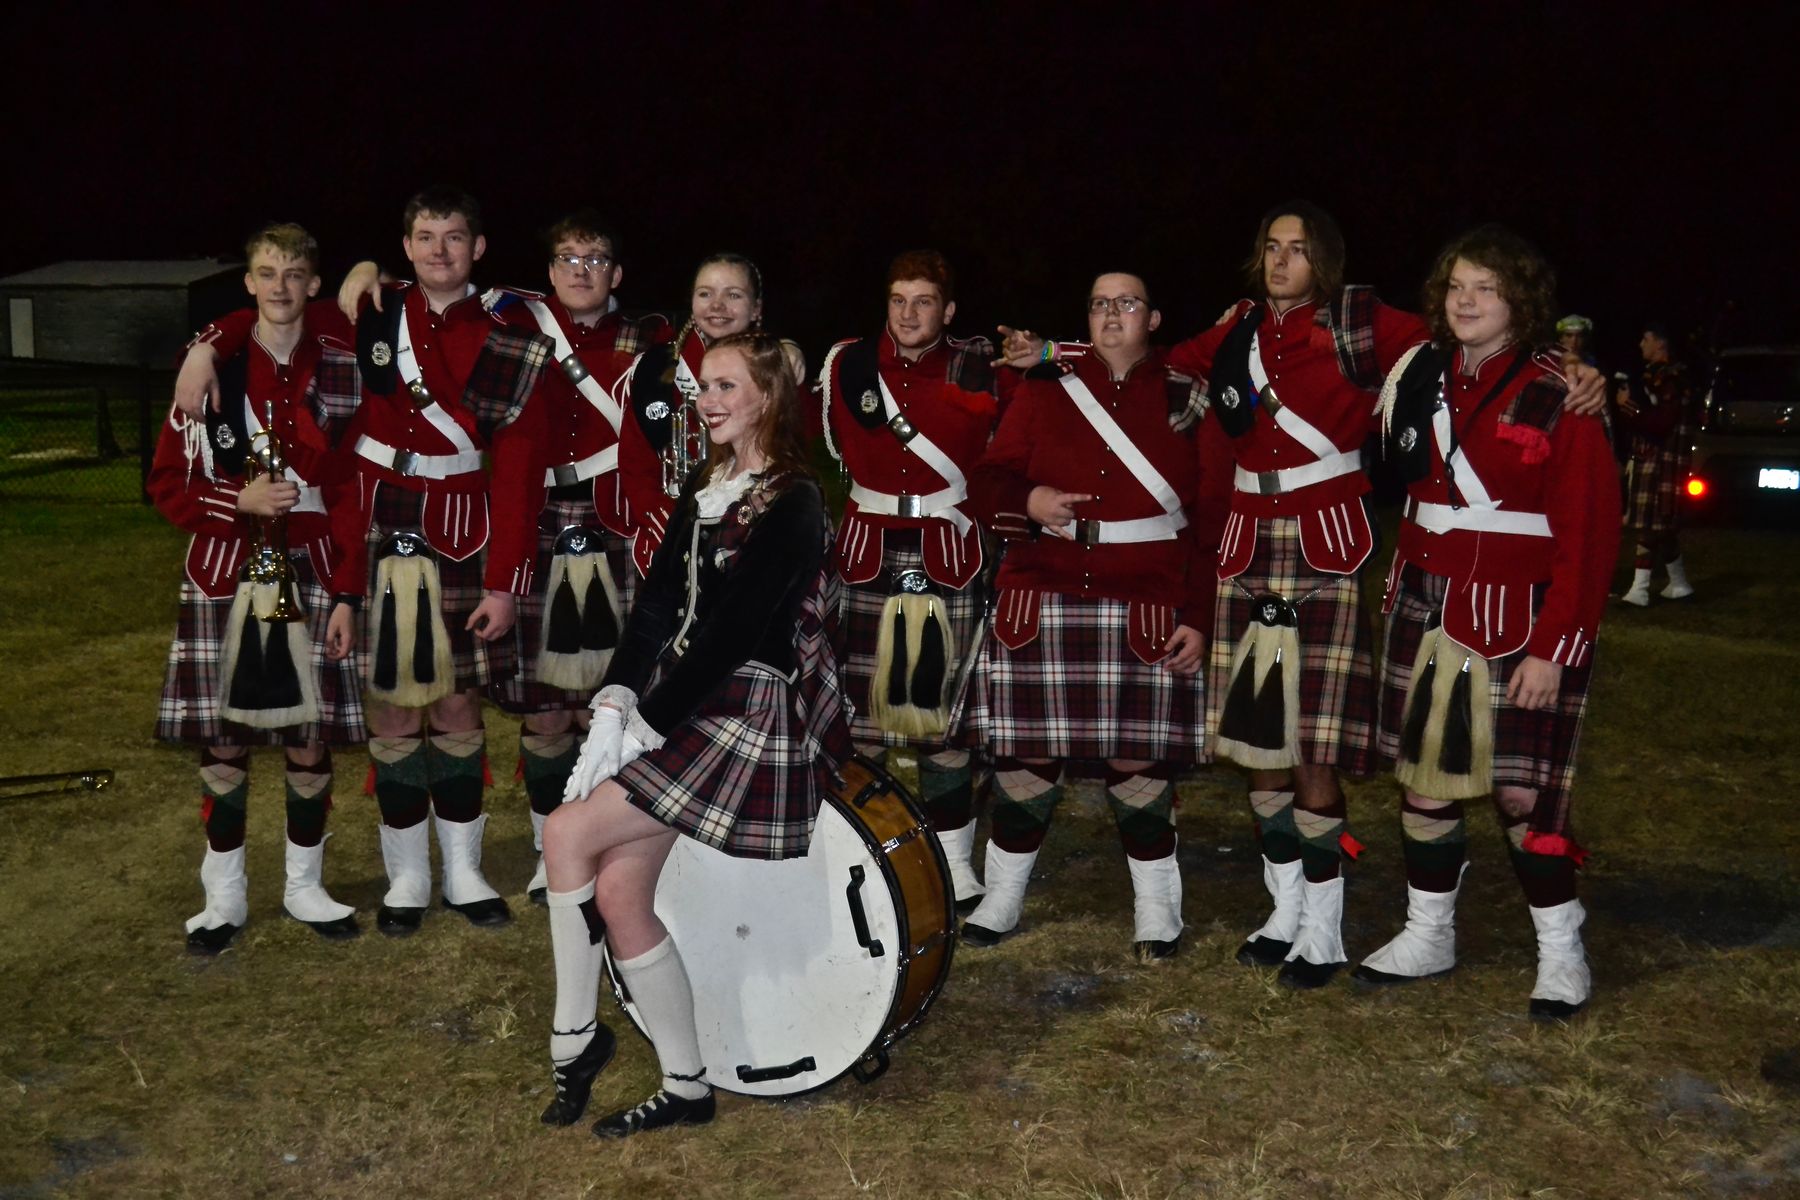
pixel 1659 412
pixel 1575 333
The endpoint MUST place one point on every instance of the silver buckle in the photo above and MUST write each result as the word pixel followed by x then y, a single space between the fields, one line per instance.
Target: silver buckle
pixel 566 474
pixel 1268 483
pixel 574 369
pixel 903 428
pixel 909 506
pixel 420 394
pixel 406 462
pixel 1270 400
pixel 1087 531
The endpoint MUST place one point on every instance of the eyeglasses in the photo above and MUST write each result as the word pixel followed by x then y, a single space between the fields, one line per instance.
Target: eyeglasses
pixel 1099 305
pixel 576 263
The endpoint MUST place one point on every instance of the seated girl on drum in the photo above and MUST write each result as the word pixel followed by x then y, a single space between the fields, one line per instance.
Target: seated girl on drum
pixel 719 718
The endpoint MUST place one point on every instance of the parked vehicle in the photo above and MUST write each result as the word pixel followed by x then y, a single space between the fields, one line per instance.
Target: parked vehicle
pixel 1747 458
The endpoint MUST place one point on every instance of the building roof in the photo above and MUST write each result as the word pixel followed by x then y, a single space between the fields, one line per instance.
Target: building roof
pixel 122 273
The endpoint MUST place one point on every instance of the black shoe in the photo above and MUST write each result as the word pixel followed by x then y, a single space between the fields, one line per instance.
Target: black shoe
pixel 1152 951
pixel 658 1112
pixel 399 922
pixel 1298 973
pixel 340 930
pixel 1263 952
pixel 981 935
pixel 483 912
pixel 574 1080
pixel 1554 1010
pixel 967 905
pixel 539 896
pixel 212 942
pixel 1369 977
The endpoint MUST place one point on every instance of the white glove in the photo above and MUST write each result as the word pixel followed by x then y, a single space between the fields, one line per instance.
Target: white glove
pixel 599 758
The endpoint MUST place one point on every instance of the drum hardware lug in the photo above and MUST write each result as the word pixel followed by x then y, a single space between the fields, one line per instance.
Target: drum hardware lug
pixel 749 1074
pixel 870 1075
pixel 853 895
pixel 900 839
pixel 868 792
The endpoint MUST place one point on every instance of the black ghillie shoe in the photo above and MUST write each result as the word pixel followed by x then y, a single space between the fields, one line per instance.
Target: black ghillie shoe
pixel 1263 952
pixel 981 935
pixel 483 912
pixel 1368 976
pixel 1150 951
pixel 399 922
pixel 212 942
pixel 968 904
pixel 574 1080
pixel 658 1112
pixel 340 930
pixel 1298 973
pixel 1554 1010
pixel 539 896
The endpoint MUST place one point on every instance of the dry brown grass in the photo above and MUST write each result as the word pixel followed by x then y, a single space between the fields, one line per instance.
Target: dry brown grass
pixel 1054 1065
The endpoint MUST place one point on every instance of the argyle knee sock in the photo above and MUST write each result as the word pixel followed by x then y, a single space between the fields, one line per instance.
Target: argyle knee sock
pixel 1319 831
pixel 547 759
pixel 308 800
pixel 455 766
pixel 1028 795
pixel 946 789
pixel 1143 806
pixel 1435 844
pixel 1275 829
pixel 1547 879
pixel 401 779
pixel 224 794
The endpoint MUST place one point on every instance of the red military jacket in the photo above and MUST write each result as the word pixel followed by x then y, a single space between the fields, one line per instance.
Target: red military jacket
pixel 582 433
pixel 1045 439
pixel 198 468
pixel 1531 497
pixel 1309 354
pixel 649 406
pixel 950 398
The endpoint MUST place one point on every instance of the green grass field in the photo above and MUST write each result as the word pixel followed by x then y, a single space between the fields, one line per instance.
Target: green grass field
pixel 1054 1065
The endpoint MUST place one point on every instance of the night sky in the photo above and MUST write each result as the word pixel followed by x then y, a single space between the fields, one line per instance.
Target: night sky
pixel 1645 148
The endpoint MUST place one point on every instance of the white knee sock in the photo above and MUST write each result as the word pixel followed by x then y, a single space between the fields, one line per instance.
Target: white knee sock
pixel 665 1001
pixel 577 975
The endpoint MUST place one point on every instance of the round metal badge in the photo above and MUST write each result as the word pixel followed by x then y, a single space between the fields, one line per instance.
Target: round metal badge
pixel 1409 437
pixel 656 410
pixel 381 354
pixel 1273 610
pixel 870 401
pixel 913 581
pixel 1230 398
pixel 224 437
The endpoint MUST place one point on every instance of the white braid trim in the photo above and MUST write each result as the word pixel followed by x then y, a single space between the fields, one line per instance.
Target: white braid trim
pixel 825 376
pixel 1390 391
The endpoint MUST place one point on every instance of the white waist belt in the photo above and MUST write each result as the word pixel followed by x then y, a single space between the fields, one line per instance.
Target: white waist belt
pixel 1161 528
pixel 428 466
pixel 1441 518
pixel 586 469
pixel 310 499
pixel 1292 479
pixel 887 505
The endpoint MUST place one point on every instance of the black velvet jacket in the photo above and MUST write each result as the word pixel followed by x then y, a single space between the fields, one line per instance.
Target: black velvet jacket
pixel 744 577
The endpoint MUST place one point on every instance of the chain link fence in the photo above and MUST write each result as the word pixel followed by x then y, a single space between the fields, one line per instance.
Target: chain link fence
pixel 78 433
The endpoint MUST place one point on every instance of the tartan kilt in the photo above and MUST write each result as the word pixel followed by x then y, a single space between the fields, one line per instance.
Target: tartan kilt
pixel 1337 666
pixel 1078 691
pixel 738 775
pixel 189 709
pixel 861 629
pixel 1652 504
pixel 1531 749
pixel 522 693
pixel 476 663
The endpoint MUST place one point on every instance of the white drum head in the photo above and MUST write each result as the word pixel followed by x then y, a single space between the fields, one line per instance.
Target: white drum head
pixel 772 951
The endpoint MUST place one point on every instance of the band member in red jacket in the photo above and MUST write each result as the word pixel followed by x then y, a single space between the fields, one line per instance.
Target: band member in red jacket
pixel 909 413
pixel 1510 534
pixel 568 624
pixel 235 679
pixel 1094 650
pixel 662 438
pixel 1659 412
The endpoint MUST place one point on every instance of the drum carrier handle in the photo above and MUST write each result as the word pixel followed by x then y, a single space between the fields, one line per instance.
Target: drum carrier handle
pixel 853 896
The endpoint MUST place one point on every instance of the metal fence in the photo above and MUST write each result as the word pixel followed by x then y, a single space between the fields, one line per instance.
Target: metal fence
pixel 70 432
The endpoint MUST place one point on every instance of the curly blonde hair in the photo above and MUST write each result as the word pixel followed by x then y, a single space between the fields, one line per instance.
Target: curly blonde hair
pixel 1527 283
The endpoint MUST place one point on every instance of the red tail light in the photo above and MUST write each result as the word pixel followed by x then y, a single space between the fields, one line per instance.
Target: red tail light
pixel 1696 487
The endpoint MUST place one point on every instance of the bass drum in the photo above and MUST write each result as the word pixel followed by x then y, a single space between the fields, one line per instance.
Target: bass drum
pixel 810 967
